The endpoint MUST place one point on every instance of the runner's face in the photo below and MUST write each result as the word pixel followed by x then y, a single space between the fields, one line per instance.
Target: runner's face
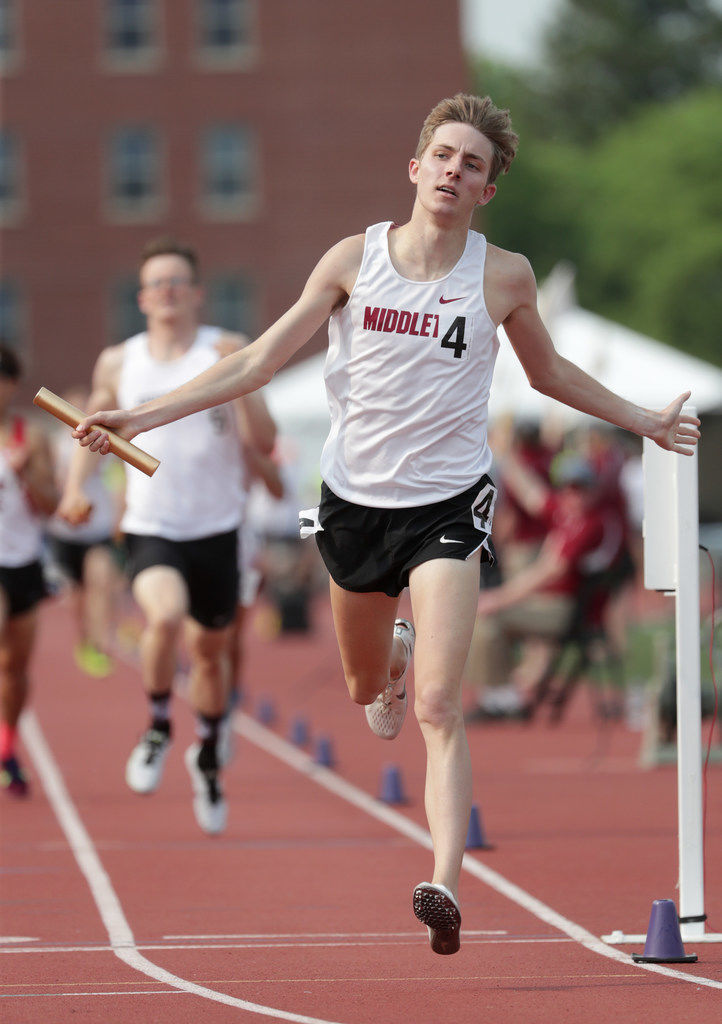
pixel 452 175
pixel 168 293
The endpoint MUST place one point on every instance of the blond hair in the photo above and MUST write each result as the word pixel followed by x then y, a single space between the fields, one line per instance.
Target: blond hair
pixel 481 114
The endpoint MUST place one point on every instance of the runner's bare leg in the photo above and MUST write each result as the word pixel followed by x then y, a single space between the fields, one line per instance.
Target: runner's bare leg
pixel 444 596
pixel 364 630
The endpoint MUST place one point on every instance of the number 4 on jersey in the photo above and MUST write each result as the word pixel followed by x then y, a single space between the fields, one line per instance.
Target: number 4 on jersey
pixel 454 337
pixel 482 508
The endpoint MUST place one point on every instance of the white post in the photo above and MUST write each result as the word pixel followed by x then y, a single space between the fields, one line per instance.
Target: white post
pixel 689 714
pixel 671 564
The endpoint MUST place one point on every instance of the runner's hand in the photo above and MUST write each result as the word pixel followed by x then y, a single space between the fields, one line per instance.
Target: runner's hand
pixel 677 431
pixel 74 508
pixel 90 434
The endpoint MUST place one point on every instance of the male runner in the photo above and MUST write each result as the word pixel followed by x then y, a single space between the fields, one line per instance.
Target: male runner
pixel 27 496
pixel 406 499
pixel 181 525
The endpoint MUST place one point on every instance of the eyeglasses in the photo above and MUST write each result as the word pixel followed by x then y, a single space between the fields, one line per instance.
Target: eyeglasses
pixel 166 282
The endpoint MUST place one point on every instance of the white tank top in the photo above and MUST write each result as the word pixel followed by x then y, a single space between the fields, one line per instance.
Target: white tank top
pixel 20 527
pixel 198 489
pixel 408 372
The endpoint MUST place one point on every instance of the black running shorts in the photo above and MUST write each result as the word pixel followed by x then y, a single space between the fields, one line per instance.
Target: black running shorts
pixel 23 586
pixel 208 565
pixel 374 549
pixel 69 555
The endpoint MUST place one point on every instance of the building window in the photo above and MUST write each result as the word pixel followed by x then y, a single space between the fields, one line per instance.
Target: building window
pixel 126 319
pixel 228 171
pixel 135 173
pixel 226 32
pixel 131 32
pixel 230 303
pixel 10 191
pixel 10 314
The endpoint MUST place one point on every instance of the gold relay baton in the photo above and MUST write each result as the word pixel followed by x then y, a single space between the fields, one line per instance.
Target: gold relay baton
pixel 71 415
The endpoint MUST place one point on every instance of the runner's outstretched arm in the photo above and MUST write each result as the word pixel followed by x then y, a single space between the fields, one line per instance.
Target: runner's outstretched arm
pixel 557 377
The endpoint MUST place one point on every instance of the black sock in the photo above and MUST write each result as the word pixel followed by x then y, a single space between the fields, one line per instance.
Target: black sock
pixel 160 712
pixel 207 727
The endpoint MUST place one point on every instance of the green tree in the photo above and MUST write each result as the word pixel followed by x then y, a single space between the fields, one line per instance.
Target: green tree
pixel 605 58
pixel 652 225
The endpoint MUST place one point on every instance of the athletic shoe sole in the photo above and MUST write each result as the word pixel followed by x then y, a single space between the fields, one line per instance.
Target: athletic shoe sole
pixel 435 907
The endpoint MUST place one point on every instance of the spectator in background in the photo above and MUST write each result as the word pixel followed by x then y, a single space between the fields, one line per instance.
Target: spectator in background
pixel 27 495
pixel 519 533
pixel 84 555
pixel 540 600
pixel 606 453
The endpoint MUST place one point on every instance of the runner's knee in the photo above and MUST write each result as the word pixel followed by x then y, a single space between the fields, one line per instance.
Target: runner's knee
pixel 364 688
pixel 437 709
pixel 208 646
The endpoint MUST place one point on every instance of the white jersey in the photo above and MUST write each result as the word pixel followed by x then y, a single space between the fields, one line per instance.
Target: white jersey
pixel 408 372
pixel 20 527
pixel 198 489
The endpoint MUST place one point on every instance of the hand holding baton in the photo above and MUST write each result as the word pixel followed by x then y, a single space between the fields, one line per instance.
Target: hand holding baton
pixel 71 415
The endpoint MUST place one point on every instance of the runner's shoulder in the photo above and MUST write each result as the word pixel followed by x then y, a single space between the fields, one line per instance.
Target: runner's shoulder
pixel 338 268
pixel 106 374
pixel 509 271
pixel 347 253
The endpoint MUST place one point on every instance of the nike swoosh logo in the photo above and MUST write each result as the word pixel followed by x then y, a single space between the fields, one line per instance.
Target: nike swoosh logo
pixel 449 540
pixel 444 301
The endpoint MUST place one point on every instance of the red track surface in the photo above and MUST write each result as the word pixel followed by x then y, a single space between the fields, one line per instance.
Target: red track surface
pixel 304 904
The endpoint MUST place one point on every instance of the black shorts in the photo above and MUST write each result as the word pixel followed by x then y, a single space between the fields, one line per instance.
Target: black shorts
pixel 374 549
pixel 69 555
pixel 24 587
pixel 208 565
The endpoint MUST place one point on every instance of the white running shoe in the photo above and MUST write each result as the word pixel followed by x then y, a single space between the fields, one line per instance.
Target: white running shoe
pixel 209 804
pixel 435 906
pixel 386 715
pixel 144 769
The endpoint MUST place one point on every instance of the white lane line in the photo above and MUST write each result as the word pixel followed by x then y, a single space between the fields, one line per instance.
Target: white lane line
pixel 398 979
pixel 303 763
pixel 321 935
pixel 619 938
pixel 107 992
pixel 417 941
pixel 109 907
pixel 6 939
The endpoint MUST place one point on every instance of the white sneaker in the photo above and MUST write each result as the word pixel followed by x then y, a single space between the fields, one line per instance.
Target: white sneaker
pixel 386 715
pixel 209 805
pixel 435 906
pixel 144 769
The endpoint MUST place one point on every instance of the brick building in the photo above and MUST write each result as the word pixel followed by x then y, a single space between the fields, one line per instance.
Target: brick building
pixel 261 131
